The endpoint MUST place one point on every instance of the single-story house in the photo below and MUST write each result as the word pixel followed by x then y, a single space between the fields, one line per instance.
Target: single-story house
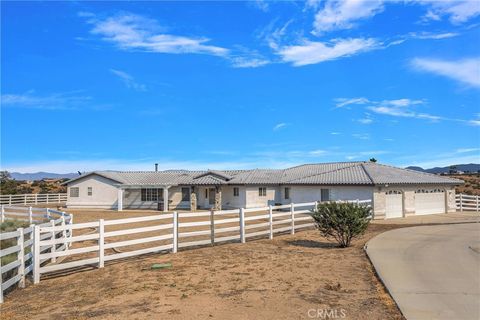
pixel 395 192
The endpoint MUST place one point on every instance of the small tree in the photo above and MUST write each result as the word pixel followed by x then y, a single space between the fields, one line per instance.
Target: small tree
pixel 341 220
pixel 373 160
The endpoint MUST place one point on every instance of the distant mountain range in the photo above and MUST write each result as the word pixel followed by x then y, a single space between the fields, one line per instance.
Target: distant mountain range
pixel 41 175
pixel 470 167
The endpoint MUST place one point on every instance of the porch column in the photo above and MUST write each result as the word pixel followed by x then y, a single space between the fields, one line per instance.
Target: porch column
pixel 218 198
pixel 165 198
pixel 120 199
pixel 193 199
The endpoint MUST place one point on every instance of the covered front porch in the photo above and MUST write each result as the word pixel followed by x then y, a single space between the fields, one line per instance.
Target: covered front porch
pixel 153 197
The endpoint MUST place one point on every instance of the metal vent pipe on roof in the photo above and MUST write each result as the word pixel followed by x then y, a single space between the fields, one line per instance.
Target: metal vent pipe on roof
pixel 156 167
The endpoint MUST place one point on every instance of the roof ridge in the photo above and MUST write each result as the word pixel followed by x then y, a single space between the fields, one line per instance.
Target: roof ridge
pixel 366 172
pixel 322 173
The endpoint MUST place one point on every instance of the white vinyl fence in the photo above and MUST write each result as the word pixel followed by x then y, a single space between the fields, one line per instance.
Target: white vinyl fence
pixel 19 254
pixel 60 244
pixel 32 199
pixel 467 203
pixel 165 233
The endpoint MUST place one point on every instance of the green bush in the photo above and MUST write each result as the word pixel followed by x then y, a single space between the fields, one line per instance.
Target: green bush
pixel 341 220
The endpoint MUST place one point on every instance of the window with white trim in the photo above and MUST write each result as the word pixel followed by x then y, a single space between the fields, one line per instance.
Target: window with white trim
pixel 262 192
pixel 151 194
pixel 74 192
pixel 89 191
pixel 236 192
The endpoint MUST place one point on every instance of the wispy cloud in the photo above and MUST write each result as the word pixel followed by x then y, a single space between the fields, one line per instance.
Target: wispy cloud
pixel 55 101
pixel 248 61
pixel 134 32
pixel 279 126
pixel 343 102
pixel 312 52
pixel 435 36
pixel 465 71
pixel 402 108
pixel 260 5
pixel 467 150
pixel 361 136
pixel 457 11
pixel 337 15
pixel 128 80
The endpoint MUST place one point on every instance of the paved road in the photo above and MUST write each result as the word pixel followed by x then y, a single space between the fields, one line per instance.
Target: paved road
pixel 432 272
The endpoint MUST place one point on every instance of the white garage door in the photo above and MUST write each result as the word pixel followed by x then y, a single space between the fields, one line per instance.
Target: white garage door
pixel 429 201
pixel 393 205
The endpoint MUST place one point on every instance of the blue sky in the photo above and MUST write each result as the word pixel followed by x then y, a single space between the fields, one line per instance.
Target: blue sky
pixel 198 85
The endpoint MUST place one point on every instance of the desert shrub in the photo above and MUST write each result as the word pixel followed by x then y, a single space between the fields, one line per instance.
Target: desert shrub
pixel 341 220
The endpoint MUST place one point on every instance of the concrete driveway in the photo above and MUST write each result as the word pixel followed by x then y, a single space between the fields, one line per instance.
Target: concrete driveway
pixel 432 272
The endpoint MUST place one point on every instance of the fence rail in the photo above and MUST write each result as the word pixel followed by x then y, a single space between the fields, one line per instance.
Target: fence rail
pixel 60 244
pixel 467 203
pixel 20 253
pixel 32 199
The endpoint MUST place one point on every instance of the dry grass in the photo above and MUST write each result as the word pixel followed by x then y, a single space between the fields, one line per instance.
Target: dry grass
pixel 471 186
pixel 282 278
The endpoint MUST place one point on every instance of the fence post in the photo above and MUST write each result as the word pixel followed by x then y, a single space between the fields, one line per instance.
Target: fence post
pixel 10 200
pixel 58 195
pixel 64 232
pixel 36 199
pixel 53 238
pixel 3 213
pixel 21 257
pixel 1 281
pixel 212 227
pixel 461 204
pixel 242 225
pixel 292 214
pixel 36 254
pixel 477 202
pixel 25 199
pixel 175 232
pixel 270 221
pixel 101 243
pixel 30 215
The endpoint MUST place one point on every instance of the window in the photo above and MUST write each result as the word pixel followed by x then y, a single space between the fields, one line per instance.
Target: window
pixel 89 191
pixel 185 194
pixel 74 192
pixel 150 194
pixel 206 193
pixel 236 192
pixel 287 193
pixel 325 195
pixel 262 192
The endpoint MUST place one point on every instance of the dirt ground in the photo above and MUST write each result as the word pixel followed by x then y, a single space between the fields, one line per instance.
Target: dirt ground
pixel 301 276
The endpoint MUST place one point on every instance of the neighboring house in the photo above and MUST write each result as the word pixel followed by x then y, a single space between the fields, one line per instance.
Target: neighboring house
pixel 395 192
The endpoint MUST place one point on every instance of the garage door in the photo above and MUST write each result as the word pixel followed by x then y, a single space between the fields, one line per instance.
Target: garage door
pixel 394 204
pixel 429 201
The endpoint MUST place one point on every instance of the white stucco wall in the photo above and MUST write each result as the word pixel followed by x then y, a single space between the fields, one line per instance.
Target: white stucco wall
pixel 230 201
pixel 254 200
pixel 299 194
pixel 104 193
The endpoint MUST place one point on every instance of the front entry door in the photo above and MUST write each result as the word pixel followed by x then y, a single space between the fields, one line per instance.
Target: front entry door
pixel 211 196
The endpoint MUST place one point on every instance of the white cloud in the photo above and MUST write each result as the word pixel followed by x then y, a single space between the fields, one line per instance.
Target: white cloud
pixel 128 80
pixel 312 52
pixel 435 36
pixel 399 112
pixel 361 136
pixel 458 11
pixel 337 15
pixel 465 71
pixel 55 101
pixel 335 133
pixel 467 150
pixel 260 5
pixel 134 32
pixel 365 121
pixel 248 62
pixel 342 102
pixel 402 102
pixel 279 126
